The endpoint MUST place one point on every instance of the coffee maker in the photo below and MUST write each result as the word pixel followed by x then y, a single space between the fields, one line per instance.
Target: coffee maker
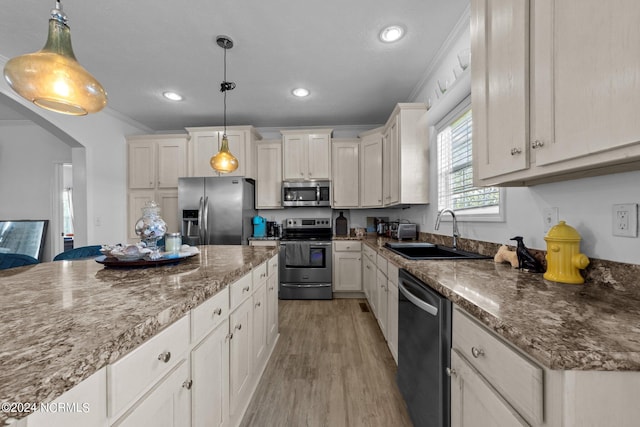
pixel 273 229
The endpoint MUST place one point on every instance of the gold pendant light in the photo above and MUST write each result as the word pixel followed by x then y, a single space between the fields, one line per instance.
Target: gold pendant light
pixel 52 78
pixel 224 161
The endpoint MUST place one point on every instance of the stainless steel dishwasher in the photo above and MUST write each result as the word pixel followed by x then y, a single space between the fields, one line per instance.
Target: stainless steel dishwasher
pixel 424 352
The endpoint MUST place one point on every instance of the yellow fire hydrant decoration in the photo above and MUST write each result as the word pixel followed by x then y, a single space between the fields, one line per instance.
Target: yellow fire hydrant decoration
pixel 564 260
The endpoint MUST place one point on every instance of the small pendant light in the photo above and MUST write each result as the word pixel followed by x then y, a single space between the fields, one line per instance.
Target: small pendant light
pixel 52 78
pixel 224 161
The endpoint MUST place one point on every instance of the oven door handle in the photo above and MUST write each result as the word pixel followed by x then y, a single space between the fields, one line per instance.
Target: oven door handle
pixel 305 241
pixel 417 301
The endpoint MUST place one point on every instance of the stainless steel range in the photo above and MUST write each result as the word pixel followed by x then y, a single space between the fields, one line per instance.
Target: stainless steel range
pixel 305 259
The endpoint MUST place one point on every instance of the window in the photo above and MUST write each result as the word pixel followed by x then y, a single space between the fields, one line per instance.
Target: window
pixel 455 170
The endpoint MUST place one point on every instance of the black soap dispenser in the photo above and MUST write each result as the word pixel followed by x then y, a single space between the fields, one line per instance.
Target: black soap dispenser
pixel 341 225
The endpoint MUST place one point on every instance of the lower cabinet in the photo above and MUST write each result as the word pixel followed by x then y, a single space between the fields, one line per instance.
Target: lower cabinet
pixel 369 278
pixel 168 404
pixel 392 310
pixel 474 402
pixel 347 266
pixel 210 369
pixel 200 371
pixel 383 302
pixel 240 323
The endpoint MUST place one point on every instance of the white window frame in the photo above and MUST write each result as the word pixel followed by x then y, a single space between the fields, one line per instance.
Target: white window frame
pixel 466 215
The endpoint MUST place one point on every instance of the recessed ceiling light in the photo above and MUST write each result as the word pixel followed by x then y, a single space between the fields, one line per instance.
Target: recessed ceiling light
pixel 172 96
pixel 391 33
pixel 300 92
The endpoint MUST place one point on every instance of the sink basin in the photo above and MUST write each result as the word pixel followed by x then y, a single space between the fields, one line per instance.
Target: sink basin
pixel 429 251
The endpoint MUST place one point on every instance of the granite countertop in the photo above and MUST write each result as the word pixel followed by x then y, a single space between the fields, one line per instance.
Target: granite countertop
pixel 62 321
pixel 566 327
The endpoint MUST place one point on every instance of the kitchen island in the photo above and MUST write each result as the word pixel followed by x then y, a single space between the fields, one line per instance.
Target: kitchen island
pixel 62 321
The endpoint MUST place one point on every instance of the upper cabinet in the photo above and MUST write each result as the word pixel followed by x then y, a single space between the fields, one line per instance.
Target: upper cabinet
pixel 156 161
pixel 552 98
pixel 269 175
pixel 405 168
pixel 306 154
pixel 344 167
pixel 371 169
pixel 204 143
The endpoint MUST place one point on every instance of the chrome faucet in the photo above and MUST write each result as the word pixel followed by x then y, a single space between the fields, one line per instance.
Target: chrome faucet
pixel 456 233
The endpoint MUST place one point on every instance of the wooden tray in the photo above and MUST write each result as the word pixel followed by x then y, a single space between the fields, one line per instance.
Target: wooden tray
pixel 138 263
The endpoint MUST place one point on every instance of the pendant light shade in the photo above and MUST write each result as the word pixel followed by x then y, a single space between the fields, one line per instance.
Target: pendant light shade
pixel 52 78
pixel 224 161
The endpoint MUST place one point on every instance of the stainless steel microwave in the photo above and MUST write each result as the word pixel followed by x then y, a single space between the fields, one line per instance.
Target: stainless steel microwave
pixel 306 193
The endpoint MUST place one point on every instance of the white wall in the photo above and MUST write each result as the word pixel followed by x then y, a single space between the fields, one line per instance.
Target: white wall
pixel 585 204
pixel 27 157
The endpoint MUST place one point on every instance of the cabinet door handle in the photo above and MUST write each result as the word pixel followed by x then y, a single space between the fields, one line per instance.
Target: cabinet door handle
pixel 379 200
pixel 238 326
pixel 229 337
pixel 537 144
pixel 271 288
pixel 187 384
pixel 217 311
pixel 258 304
pixel 451 372
pixel 164 356
pixel 246 289
pixel 515 151
pixel 477 352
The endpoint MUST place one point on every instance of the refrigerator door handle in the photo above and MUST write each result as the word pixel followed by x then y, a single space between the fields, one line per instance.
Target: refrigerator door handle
pixel 200 221
pixel 206 220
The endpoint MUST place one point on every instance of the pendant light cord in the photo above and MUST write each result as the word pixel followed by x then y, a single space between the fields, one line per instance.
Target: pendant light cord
pixel 225 86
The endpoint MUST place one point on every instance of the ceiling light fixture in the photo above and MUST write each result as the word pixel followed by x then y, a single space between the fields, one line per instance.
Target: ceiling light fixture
pixel 172 96
pixel 224 161
pixel 52 78
pixel 300 92
pixel 391 33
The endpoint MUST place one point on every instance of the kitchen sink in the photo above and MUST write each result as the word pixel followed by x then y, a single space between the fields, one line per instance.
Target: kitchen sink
pixel 430 251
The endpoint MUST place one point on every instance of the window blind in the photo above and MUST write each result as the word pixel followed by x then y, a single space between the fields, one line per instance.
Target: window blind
pixel 455 170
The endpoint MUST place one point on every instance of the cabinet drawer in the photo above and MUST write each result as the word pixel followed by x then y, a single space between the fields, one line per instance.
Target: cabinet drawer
pixel 240 290
pixel 259 273
pixel 381 262
pixel 516 378
pixel 369 252
pixel 209 314
pixel 347 246
pixel 272 265
pixel 129 377
pixel 392 273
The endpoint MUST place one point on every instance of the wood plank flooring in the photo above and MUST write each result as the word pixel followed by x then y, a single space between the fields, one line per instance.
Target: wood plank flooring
pixel 331 367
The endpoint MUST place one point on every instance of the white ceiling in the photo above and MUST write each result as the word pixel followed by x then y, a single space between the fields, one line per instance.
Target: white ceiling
pixel 138 49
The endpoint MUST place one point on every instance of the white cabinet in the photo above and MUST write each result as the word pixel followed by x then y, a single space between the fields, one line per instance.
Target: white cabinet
pixel 168 404
pixel 306 154
pixel 269 175
pixel 405 167
pixel 369 277
pixel 371 169
pixel 156 161
pixel 345 159
pixel 210 373
pixel 553 100
pixel 88 399
pixel 259 326
pixel 392 310
pixel 210 361
pixel 240 323
pixel 154 164
pixel 272 301
pixel 474 402
pixel 382 290
pixel 205 142
pixel 347 266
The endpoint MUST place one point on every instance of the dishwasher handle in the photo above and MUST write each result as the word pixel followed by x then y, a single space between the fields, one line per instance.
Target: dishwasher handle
pixel 417 301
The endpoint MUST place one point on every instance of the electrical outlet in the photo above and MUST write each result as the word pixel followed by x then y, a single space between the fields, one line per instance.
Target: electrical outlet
pixel 625 220
pixel 550 216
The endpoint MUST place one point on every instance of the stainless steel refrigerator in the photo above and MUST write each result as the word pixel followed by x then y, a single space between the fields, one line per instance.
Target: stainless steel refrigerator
pixel 216 210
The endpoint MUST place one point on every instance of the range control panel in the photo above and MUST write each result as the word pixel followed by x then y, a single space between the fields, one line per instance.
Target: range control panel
pixel 307 223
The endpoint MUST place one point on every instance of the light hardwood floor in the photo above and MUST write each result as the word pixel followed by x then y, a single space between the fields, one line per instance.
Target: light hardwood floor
pixel 331 367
